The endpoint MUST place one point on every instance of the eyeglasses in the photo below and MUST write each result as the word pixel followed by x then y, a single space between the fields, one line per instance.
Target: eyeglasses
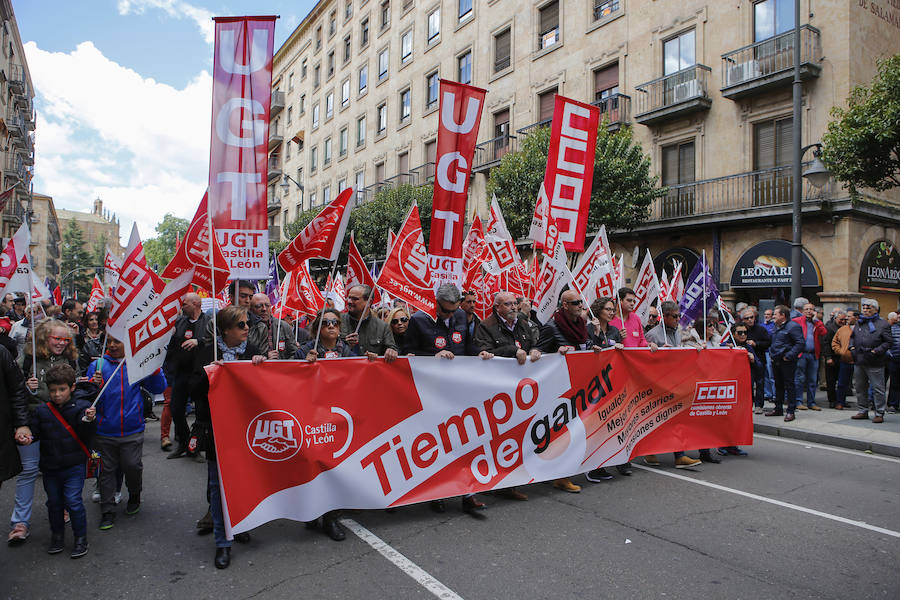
pixel 330 322
pixel 267 305
pixel 56 338
pixel 512 303
pixel 573 302
pixel 242 324
pixel 740 333
pixel 750 318
pixel 400 320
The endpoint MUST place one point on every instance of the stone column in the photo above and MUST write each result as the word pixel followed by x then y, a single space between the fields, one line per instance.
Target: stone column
pixel 832 300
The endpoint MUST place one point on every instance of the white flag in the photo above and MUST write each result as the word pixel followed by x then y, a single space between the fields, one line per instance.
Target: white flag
pixel 594 265
pixel 136 289
pixel 502 253
pixel 646 289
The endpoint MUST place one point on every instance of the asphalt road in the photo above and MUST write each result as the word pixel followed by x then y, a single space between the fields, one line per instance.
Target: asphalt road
pixel 648 535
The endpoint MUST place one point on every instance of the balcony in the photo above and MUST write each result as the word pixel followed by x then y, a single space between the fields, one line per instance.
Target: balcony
pixel 276 137
pixel 528 129
pixel 673 96
pixel 424 173
pixel 15 125
pixel 277 104
pixel 274 233
pixel 29 120
pixel 275 171
pixel 13 212
pixel 489 153
pixel 14 168
pixel 769 64
pixel 616 109
pixel 16 79
pixel 274 204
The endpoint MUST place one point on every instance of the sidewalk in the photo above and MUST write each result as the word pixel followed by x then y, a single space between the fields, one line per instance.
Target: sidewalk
pixel 836 428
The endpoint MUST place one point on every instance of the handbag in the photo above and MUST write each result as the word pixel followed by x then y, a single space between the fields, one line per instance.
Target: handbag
pixel 93 458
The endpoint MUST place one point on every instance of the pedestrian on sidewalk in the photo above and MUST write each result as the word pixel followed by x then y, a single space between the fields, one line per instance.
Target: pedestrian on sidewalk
pixel 869 343
pixel 787 344
pixel 841 347
pixel 832 360
pixel 807 375
pixel 769 324
pixel 893 369
pixel 758 341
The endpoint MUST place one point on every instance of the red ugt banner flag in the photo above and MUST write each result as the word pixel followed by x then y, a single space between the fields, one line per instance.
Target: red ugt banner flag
pixel 358 274
pixel 322 237
pixel 238 167
pixel 193 253
pixel 570 168
pixel 460 116
pixel 97 296
pixel 405 273
pixel 300 292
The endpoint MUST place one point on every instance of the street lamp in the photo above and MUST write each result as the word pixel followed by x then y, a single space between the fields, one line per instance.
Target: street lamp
pixel 286 187
pixel 817 174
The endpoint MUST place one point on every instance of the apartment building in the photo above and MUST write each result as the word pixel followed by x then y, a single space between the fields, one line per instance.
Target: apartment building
pixel 46 238
pixel 705 86
pixel 17 122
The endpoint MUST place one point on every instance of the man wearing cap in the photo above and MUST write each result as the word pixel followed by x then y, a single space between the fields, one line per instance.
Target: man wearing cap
pixel 869 343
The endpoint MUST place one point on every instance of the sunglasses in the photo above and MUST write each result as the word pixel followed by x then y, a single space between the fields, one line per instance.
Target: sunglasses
pixel 740 333
pixel 242 324
pixel 330 322
pixel 573 302
pixel 400 320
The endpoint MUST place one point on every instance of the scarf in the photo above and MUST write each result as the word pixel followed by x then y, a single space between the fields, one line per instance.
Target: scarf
pixel 870 320
pixel 575 333
pixel 230 353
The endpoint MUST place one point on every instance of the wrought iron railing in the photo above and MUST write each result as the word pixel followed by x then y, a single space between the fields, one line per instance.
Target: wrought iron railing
pixel 671 90
pixel 616 109
pixel 533 127
pixel 770 56
pixel 491 151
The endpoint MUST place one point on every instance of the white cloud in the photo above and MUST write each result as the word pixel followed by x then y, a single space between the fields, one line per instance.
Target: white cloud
pixel 174 8
pixel 105 130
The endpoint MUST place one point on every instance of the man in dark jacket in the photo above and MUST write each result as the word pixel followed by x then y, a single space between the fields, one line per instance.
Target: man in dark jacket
pixel 469 300
pixel 273 336
pixel 13 416
pixel 506 332
pixel 869 343
pixel 190 328
pixel 373 334
pixel 787 344
pixel 832 361
pixel 758 340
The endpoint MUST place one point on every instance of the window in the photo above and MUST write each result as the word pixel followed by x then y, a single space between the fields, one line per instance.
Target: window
pixel 403 162
pixel 326 195
pixel 290 110
pixel 342 185
pixel 606 82
pixel 604 8
pixel 501 123
pixel 465 9
pixel 383 58
pixel 678 169
pixel 434 25
pixel 332 24
pixel 330 63
pixel 501 50
pixel 430 156
pixel 343 140
pixel 364 33
pixel 287 151
pixel 290 81
pixel 302 104
pixel 432 87
pixel 348 10
pixel 678 53
pixel 379 172
pixel 405 105
pixel 317 78
pixel 772 144
pixel 329 105
pixel 345 93
pixel 406 47
pixel 312 199
pixel 546 104
pixel 771 18
pixel 363 79
pixel 385 14
pixel 360 132
pixel 303 70
pixel 347 47
pixel 326 152
pixel 548 34
pixel 464 70
pixel 315 115
pixel 313 158
pixel 360 184
pixel 382 118
pixel 318 37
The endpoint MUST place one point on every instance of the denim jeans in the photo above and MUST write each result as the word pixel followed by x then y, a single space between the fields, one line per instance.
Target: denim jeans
pixel 214 494
pixel 63 489
pixel 31 458
pixel 893 370
pixel 806 378
pixel 845 376
pixel 770 378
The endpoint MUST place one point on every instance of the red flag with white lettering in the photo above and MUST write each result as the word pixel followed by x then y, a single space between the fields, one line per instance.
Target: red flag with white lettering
pixel 458 122
pixel 300 292
pixel 238 157
pixel 358 274
pixel 322 237
pixel 97 295
pixel 570 168
pixel 405 273
pixel 193 253
pixel 137 287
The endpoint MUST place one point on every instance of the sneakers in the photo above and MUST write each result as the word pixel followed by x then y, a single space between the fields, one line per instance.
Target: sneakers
pixel 565 484
pixel 706 456
pixel 80 548
pixel 598 475
pixel 624 469
pixel 878 419
pixel 134 505
pixel 57 543
pixel 95 495
pixel 165 443
pixel 892 410
pixel 686 462
pixel 758 410
pixel 860 416
pixel 651 460
pixel 107 521
pixel 18 535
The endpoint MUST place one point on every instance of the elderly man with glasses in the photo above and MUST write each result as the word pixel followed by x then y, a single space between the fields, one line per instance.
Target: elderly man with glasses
pixel 372 334
pixel 668 335
pixel 273 337
pixel 758 341
pixel 869 343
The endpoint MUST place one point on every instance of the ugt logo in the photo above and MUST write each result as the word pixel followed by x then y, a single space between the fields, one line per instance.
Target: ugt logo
pixel 274 435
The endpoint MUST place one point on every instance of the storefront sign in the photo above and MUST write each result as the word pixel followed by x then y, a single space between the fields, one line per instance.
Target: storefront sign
pixel 768 264
pixel 880 269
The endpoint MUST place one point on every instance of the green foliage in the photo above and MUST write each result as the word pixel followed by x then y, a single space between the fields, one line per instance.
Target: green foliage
pixel 622 190
pixel 862 145
pixel 76 258
pixel 160 250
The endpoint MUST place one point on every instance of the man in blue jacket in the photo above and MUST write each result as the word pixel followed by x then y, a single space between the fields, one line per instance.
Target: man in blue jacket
pixel 120 428
pixel 787 344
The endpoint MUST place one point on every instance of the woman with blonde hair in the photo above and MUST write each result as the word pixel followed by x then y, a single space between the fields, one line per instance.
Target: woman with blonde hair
pixel 398 320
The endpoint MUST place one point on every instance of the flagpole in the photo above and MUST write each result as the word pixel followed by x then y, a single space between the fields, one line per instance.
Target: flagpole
pixel 280 311
pixel 106 385
pixel 212 279
pixel 328 291
pixel 705 315
pixel 580 293
pixel 33 338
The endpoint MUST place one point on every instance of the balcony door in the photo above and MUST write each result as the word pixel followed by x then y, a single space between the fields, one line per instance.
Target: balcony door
pixel 606 91
pixel 679 53
pixel 772 143
pixel 678 167
pixel 773 51
pixel 501 134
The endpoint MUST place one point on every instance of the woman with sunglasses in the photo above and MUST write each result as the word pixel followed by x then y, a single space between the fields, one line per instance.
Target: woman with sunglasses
pixel 53 343
pixel 233 328
pixel 398 320
pixel 329 344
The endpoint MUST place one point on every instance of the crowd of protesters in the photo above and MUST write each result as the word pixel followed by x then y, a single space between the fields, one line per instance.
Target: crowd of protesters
pixel 66 401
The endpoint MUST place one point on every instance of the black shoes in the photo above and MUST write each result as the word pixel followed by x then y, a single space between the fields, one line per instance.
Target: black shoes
pixel 178 452
pixel 707 457
pixel 333 529
pixel 624 469
pixel 473 507
pixel 773 413
pixel 134 505
pixel 598 475
pixel 80 548
pixel 57 543
pixel 107 521
pixel 223 558
pixel 205 524
pixel 242 538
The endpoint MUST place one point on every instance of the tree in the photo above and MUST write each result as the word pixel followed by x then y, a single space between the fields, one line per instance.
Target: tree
pixel 621 193
pixel 77 261
pixel 862 145
pixel 160 250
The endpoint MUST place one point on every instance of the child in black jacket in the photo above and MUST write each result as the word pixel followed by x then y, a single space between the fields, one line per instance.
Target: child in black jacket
pixel 65 438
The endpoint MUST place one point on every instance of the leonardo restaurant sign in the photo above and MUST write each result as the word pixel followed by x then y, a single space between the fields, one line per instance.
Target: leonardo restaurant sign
pixel 768 264
pixel 880 268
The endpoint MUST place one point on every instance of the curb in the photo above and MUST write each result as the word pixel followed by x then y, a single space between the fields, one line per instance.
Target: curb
pixel 830 440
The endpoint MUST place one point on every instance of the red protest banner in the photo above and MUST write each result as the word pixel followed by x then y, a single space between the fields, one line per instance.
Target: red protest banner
pixel 405 273
pixel 570 168
pixel 238 157
pixel 460 117
pixel 358 274
pixel 300 291
pixel 193 253
pixel 322 237
pixel 294 439
pixel 96 296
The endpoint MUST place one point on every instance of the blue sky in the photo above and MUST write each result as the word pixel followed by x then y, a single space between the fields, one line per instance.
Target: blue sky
pixel 123 99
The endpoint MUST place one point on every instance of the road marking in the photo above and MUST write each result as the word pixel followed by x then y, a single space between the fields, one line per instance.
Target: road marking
pixel 776 438
pixel 401 562
pixel 796 507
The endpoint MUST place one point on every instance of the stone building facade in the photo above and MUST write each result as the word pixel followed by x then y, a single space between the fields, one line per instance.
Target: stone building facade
pixel 706 87
pixel 46 238
pixel 97 227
